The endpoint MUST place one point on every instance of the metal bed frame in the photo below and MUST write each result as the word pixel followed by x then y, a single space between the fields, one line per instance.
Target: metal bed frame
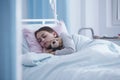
pixel 90 29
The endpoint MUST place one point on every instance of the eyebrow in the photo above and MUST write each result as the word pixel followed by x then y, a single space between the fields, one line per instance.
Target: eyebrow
pixel 41 35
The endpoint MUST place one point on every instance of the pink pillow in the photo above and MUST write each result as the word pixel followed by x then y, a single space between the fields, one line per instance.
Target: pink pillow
pixel 31 40
pixel 33 45
pixel 60 27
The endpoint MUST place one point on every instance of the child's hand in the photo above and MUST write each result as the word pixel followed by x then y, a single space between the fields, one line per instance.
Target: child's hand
pixel 47 50
pixel 53 53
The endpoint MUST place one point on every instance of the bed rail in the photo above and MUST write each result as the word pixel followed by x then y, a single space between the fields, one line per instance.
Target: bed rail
pixel 43 21
pixel 82 29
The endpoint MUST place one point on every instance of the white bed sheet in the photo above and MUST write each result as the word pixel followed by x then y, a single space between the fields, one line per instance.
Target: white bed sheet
pixel 78 66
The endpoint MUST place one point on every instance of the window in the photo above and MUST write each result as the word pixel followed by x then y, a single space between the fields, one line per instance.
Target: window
pixel 116 12
pixel 36 9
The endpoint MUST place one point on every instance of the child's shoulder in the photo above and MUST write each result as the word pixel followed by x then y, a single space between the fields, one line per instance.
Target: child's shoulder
pixel 65 36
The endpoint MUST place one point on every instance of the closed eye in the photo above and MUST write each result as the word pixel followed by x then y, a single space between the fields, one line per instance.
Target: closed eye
pixel 43 35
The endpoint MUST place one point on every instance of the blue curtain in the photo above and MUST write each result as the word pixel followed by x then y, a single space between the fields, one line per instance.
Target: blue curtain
pixel 37 9
pixel 41 9
pixel 61 10
pixel 7 40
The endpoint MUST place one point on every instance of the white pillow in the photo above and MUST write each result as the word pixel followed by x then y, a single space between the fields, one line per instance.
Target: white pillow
pixel 32 43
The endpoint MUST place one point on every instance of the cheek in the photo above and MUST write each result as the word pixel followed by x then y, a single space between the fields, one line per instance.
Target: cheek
pixel 41 44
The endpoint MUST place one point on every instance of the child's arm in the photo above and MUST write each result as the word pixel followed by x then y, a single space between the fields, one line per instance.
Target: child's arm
pixel 68 44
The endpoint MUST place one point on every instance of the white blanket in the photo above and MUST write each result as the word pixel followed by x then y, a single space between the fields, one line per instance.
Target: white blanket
pixel 94 60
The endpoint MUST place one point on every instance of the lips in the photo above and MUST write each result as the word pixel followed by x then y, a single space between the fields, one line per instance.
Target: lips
pixel 44 43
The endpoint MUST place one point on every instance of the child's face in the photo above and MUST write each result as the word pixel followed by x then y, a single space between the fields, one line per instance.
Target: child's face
pixel 44 38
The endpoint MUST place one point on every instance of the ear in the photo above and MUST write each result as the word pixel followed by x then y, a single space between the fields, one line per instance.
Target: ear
pixel 55 34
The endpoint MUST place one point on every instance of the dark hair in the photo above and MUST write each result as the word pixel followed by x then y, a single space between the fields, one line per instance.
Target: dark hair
pixel 45 28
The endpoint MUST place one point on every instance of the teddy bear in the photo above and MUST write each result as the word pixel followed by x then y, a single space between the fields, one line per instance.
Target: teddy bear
pixel 56 44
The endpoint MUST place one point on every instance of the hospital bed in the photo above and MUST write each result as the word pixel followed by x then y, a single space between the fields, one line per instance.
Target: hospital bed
pixel 93 59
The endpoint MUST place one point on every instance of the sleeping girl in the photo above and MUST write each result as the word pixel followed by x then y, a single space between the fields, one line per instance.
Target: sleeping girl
pixel 64 44
pixel 53 43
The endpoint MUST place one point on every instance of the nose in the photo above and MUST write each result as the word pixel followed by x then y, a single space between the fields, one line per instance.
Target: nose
pixel 42 39
pixel 53 42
